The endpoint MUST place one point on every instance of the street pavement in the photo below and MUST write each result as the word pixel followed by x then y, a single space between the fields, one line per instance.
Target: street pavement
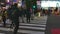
pixel 53 25
pixel 36 26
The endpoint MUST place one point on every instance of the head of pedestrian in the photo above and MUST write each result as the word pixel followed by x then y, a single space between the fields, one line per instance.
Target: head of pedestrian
pixel 15 4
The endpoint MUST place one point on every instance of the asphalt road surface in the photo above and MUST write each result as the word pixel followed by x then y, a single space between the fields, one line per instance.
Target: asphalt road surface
pixel 53 23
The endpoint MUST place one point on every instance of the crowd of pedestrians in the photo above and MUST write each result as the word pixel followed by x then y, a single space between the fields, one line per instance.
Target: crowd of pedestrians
pixel 13 13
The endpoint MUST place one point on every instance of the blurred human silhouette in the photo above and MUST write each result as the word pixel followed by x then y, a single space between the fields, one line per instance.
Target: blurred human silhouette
pixel 28 15
pixel 16 18
pixel 10 16
pixel 4 17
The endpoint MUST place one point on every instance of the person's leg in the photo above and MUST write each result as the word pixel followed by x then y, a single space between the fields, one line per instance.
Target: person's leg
pixel 16 28
pixel 22 19
pixel 4 20
pixel 12 23
pixel 32 17
pixel 27 19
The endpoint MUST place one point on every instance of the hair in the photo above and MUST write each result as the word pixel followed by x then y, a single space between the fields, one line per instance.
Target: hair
pixel 56 9
pixel 15 4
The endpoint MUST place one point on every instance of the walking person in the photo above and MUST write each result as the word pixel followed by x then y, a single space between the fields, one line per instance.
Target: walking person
pixel 49 12
pixel 4 17
pixel 32 14
pixel 0 15
pixel 22 14
pixel 28 15
pixel 16 18
pixel 10 10
pixel 43 12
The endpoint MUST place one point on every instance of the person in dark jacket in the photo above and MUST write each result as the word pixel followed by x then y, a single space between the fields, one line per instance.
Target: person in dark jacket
pixel 43 11
pixel 10 10
pixel 14 14
pixel 28 15
pixel 22 13
pixel 49 12
pixel 16 18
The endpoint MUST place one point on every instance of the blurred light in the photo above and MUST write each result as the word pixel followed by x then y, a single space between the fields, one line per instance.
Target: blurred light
pixel 4 7
pixel 15 0
pixel 7 6
pixel 34 6
pixel 19 3
pixel 2 3
pixel 7 1
pixel 38 2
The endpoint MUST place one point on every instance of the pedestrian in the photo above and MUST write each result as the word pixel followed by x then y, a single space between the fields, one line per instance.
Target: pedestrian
pixel 22 14
pixel 0 15
pixel 49 12
pixel 28 15
pixel 10 10
pixel 43 12
pixel 15 18
pixel 32 14
pixel 4 16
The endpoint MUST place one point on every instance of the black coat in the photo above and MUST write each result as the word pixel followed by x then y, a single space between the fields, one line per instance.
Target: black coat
pixel 14 10
pixel 22 13
pixel 28 13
